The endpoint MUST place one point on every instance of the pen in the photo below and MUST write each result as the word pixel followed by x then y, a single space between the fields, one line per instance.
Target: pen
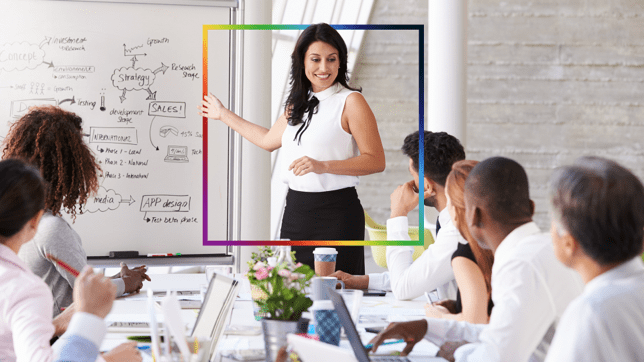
pixel 427 297
pixel 160 254
pixel 142 348
pixel 63 265
pixel 370 345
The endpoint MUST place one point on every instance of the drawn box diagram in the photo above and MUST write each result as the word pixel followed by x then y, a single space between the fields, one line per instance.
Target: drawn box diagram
pixel 167 109
pixel 20 107
pixel 117 135
pixel 165 203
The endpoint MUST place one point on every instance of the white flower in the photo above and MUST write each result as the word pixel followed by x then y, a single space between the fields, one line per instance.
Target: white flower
pixel 272 261
pixel 284 273
pixel 295 276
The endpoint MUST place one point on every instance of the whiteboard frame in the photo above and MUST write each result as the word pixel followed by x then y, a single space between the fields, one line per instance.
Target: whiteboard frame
pixel 236 68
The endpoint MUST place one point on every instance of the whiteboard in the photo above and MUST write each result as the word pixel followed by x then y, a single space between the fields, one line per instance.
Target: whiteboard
pixel 133 73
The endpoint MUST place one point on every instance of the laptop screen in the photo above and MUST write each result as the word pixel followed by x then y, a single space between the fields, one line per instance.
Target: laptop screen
pixel 349 327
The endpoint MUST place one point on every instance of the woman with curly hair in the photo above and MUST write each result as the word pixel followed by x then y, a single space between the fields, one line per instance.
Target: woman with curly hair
pixel 50 139
pixel 329 137
pixel 472 265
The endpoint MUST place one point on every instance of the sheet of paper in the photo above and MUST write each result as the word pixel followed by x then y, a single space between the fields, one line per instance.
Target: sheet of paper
pixel 392 311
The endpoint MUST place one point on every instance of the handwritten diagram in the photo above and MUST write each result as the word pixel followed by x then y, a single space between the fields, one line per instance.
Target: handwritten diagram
pixel 89 86
pixel 106 200
pixel 135 79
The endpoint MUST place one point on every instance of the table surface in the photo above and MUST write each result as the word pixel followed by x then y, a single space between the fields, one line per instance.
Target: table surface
pixel 374 311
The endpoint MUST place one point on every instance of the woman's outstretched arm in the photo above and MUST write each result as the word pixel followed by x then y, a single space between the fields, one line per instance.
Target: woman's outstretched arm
pixel 268 139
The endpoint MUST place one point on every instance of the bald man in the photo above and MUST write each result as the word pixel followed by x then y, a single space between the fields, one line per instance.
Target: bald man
pixel 530 287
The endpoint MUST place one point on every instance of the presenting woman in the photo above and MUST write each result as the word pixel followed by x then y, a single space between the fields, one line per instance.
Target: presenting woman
pixel 51 139
pixel 472 265
pixel 329 137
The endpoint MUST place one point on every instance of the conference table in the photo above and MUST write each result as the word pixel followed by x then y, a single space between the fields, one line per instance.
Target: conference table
pixel 243 330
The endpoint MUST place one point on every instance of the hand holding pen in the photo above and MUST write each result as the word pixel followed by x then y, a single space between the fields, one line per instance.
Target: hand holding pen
pixel 410 332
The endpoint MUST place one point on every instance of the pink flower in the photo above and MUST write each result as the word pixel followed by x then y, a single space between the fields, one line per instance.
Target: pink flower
pixel 270 268
pixel 284 273
pixel 261 274
pixel 294 276
pixel 259 265
pixel 298 265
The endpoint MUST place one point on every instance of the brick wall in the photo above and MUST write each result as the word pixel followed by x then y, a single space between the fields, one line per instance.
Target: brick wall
pixel 548 81
pixel 387 70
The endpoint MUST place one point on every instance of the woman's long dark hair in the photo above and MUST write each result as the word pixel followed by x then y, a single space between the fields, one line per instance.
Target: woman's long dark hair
pixel 298 103
pixel 22 195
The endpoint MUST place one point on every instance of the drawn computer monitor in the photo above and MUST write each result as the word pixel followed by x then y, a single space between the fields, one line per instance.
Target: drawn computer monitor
pixel 177 154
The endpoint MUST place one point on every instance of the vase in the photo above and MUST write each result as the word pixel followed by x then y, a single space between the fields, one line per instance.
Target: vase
pixel 275 332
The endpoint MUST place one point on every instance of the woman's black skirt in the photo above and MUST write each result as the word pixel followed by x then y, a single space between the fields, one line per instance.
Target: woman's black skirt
pixel 330 215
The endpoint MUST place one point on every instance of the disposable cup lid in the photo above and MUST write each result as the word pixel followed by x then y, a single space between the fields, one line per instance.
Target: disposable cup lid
pixel 325 251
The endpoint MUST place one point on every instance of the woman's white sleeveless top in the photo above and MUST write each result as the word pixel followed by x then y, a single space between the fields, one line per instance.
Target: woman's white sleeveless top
pixel 323 140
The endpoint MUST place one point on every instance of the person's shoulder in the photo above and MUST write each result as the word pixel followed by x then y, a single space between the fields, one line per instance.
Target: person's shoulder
pixel 20 284
pixel 52 227
pixel 465 251
pixel 54 221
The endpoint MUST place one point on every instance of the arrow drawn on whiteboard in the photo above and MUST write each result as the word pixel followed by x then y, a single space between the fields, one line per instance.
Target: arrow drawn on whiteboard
pixel 146 218
pixel 51 64
pixel 152 95
pixel 162 68
pixel 71 101
pixel 153 118
pixel 122 97
pixel 129 201
pixel 45 41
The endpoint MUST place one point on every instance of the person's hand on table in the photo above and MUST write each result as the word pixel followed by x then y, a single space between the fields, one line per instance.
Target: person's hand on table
pixel 435 311
pixel 133 278
pixel 403 199
pixel 126 352
pixel 93 293
pixel 448 348
pixel 412 332
pixel 282 355
pixel 352 281
pixel 61 322
pixel 447 304
pixel 305 164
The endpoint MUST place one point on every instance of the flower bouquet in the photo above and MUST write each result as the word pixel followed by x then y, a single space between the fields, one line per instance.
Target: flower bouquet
pixel 279 286
pixel 282 282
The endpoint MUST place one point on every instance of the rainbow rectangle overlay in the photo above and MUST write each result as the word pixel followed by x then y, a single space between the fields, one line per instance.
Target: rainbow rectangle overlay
pixel 421 128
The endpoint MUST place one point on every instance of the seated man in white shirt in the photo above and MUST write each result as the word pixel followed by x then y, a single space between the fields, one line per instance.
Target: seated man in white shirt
pixel 597 229
pixel 408 278
pixel 530 287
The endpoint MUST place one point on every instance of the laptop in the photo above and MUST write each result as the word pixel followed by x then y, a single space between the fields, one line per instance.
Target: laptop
pixel 311 350
pixel 177 154
pixel 217 304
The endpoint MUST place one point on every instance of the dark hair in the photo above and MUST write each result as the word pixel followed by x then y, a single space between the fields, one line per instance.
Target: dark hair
pixel 22 195
pixel 455 185
pixel 503 186
pixel 442 150
pixel 50 138
pixel 298 102
pixel 601 204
